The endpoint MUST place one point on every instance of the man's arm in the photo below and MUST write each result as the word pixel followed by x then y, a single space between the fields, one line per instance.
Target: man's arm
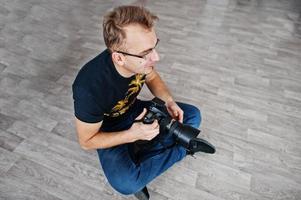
pixel 90 136
pixel 157 87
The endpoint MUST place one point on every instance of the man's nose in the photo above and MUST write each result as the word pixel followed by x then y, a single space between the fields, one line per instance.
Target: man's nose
pixel 155 56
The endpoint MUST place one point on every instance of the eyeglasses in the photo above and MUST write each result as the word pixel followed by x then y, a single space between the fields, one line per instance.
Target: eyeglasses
pixel 145 56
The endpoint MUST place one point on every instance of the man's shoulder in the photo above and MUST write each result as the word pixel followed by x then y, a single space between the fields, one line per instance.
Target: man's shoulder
pixel 93 70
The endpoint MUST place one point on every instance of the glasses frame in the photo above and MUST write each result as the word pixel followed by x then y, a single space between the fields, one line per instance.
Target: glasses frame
pixel 138 56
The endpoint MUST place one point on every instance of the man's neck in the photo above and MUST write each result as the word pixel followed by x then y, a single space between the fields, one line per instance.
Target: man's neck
pixel 122 71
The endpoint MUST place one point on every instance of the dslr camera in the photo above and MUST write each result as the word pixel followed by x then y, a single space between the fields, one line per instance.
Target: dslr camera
pixel 184 135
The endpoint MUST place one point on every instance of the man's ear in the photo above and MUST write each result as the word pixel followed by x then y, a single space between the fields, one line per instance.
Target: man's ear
pixel 118 58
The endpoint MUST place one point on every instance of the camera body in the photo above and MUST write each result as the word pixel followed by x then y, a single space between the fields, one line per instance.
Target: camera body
pixel 184 135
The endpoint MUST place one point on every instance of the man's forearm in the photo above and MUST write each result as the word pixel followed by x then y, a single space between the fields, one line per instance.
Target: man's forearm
pixel 158 88
pixel 103 140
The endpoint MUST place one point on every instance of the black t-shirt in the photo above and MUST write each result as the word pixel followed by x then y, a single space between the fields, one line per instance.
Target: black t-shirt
pixel 100 92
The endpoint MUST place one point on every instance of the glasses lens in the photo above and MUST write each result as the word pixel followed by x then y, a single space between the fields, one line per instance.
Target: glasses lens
pixel 148 55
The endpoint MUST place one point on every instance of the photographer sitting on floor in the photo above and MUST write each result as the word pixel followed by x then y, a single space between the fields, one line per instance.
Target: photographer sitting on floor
pixel 108 112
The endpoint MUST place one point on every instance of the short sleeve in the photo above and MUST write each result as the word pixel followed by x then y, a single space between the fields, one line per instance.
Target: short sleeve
pixel 85 107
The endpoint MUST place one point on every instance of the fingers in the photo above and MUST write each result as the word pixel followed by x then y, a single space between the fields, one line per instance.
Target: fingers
pixel 181 119
pixel 178 114
pixel 141 114
pixel 150 130
pixel 151 134
pixel 181 116
pixel 155 124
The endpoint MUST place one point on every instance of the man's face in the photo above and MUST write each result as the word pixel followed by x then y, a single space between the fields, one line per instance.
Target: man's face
pixel 140 41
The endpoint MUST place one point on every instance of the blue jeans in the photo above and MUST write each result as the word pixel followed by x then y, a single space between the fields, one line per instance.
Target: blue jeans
pixel 124 171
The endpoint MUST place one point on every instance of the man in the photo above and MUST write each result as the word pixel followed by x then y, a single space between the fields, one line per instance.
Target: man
pixel 106 105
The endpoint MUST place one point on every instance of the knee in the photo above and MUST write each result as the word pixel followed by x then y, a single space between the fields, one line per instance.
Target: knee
pixel 125 185
pixel 197 113
pixel 123 177
pixel 194 116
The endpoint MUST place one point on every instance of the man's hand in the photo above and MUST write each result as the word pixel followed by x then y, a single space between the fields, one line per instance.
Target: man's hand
pixel 174 110
pixel 140 131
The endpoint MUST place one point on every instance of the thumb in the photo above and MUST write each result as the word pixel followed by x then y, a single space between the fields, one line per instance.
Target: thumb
pixel 175 113
pixel 141 114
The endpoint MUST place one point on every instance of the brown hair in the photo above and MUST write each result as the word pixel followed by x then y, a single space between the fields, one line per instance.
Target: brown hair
pixel 116 20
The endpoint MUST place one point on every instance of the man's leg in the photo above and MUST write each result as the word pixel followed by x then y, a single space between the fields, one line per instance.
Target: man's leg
pixel 192 115
pixel 128 177
pixel 157 159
